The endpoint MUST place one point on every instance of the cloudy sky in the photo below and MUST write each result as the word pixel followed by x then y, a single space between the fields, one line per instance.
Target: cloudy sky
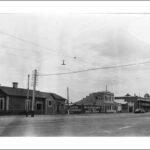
pixel 34 41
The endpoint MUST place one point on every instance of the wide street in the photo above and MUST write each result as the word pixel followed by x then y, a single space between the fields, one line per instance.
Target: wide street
pixel 76 125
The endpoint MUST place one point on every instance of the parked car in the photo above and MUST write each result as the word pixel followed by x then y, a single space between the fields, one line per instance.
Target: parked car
pixel 139 110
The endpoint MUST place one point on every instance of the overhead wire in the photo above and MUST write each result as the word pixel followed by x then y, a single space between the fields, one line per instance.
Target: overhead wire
pixel 23 56
pixel 71 72
pixel 43 47
pixel 92 69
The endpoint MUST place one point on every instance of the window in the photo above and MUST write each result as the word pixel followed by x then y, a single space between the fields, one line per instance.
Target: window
pixel 49 103
pixel 39 106
pixel 1 103
pixel 108 98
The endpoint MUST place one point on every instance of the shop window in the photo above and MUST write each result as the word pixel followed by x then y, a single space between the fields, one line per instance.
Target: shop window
pixel 1 103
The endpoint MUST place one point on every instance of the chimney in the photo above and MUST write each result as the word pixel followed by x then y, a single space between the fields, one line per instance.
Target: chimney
pixel 15 84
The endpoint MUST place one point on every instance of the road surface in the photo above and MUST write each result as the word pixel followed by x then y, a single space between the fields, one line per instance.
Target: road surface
pixel 128 124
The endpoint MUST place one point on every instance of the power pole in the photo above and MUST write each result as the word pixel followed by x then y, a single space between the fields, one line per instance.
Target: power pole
pixel 139 101
pixel 68 99
pixel 28 87
pixel 106 87
pixel 27 101
pixel 34 88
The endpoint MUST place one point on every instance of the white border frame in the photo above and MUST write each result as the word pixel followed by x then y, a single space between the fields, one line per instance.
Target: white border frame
pixel 63 8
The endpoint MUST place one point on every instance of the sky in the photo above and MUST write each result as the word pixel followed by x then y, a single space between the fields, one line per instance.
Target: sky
pixel 83 41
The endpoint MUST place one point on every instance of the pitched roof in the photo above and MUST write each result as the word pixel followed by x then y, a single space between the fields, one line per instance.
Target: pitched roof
pixel 57 97
pixel 23 93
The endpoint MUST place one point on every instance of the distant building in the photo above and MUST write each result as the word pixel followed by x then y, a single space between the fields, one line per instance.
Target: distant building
pixel 96 103
pixel 147 96
pixel 121 105
pixel 135 102
pixel 13 100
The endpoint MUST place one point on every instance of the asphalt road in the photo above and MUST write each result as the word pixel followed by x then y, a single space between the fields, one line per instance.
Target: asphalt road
pixel 76 125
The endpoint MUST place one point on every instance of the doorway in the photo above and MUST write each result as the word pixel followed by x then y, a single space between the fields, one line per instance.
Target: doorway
pixel 130 109
pixel 58 108
pixel 39 107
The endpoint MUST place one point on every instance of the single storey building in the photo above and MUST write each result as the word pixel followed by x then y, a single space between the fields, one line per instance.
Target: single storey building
pixel 13 100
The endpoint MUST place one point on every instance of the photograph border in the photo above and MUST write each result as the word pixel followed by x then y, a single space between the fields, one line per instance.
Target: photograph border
pixel 74 142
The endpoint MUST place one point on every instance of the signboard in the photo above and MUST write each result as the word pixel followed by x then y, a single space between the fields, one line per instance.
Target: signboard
pixel 84 109
pixel 92 109
pixel 75 109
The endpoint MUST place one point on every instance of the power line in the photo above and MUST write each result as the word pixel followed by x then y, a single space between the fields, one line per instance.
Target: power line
pixel 40 59
pixel 27 41
pixel 92 69
pixel 43 47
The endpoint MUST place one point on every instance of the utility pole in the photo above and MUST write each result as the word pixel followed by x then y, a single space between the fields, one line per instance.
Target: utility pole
pixel 68 99
pixel 34 88
pixel 27 101
pixel 139 101
pixel 28 87
pixel 106 87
